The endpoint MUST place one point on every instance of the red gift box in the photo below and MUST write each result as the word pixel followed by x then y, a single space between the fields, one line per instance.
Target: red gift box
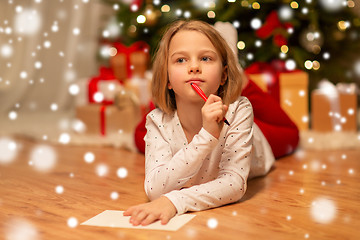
pixel 105 74
pixel 289 88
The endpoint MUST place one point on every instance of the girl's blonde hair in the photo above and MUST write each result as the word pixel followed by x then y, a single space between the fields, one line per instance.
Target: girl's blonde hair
pixel 163 97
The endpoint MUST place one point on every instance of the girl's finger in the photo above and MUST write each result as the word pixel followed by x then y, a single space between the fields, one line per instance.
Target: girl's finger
pixel 149 219
pixel 138 218
pixel 164 219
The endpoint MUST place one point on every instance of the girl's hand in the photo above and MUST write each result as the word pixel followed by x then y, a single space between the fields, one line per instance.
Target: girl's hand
pixel 213 113
pixel 143 214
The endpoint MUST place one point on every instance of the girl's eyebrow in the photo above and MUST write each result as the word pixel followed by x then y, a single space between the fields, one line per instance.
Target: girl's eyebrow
pixel 201 51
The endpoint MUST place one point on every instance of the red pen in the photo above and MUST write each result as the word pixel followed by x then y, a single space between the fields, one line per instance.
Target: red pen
pixel 203 96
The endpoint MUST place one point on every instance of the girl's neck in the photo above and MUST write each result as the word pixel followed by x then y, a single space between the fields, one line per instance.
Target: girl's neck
pixel 190 118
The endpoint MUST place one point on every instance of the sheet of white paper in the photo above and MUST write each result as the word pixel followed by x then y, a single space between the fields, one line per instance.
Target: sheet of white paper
pixel 113 218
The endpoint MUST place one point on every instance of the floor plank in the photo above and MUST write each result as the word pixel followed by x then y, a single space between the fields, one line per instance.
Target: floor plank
pixel 308 195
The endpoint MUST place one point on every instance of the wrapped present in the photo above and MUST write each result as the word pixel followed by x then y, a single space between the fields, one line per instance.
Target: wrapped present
pixel 109 89
pixel 107 81
pixel 333 108
pixel 130 61
pixel 289 88
pixel 294 97
pixel 105 119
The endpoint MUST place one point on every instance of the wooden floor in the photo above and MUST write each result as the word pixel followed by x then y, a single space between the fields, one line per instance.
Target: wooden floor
pixel 308 195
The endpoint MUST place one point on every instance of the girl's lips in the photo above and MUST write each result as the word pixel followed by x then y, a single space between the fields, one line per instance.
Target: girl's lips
pixel 195 81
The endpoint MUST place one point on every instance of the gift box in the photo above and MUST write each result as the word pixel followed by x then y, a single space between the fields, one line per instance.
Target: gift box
pixel 105 85
pixel 106 119
pixel 289 88
pixel 294 97
pixel 130 61
pixel 334 108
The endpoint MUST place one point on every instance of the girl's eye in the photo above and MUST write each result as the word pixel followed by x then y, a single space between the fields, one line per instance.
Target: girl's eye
pixel 206 59
pixel 180 60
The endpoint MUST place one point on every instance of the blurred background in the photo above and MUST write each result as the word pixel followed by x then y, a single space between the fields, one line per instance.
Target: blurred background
pixel 78 71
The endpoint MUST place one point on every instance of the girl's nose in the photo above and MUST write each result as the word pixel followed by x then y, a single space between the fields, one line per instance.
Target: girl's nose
pixel 194 68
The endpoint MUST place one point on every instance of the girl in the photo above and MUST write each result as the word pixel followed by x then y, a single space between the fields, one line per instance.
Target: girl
pixel 192 160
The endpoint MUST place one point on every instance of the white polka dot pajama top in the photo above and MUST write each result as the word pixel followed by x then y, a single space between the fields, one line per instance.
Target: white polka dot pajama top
pixel 207 172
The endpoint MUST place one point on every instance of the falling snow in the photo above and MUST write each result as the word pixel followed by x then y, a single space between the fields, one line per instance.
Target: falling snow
pixel 43 158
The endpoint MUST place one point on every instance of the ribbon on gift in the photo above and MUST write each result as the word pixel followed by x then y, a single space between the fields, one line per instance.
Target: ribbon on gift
pixel 139 46
pixel 93 88
pixel 273 26
pixel 103 120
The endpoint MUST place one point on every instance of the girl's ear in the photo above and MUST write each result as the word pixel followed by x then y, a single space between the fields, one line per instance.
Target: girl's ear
pixel 224 76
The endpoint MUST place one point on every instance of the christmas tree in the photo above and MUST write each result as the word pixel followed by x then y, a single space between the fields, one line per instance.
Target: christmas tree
pixel 320 37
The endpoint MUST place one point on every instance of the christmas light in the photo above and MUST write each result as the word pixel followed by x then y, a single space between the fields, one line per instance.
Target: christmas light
pixel 305 10
pixel 343 25
pixel 258 43
pixel 240 45
pixel 112 51
pixel 308 64
pixel 141 19
pixel 316 65
pixel 116 7
pixel 255 5
pixel 290 64
pixel 236 24
pixel 332 5
pixel 255 23
pixel 178 12
pixel 285 13
pixel 284 49
pixel 165 8
pixel 211 14
pixel 326 55
pixel 350 3
pixel 294 5
pixel 187 14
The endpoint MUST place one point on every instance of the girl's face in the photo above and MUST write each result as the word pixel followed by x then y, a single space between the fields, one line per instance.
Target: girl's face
pixel 194 59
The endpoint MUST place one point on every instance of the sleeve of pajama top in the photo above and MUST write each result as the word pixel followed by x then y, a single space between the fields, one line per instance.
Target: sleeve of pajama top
pixel 217 168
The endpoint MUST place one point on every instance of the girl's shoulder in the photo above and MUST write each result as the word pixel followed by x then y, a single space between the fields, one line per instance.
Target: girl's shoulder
pixel 241 102
pixel 159 117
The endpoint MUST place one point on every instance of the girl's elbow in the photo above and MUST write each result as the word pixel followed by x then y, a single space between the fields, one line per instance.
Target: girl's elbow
pixel 151 193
